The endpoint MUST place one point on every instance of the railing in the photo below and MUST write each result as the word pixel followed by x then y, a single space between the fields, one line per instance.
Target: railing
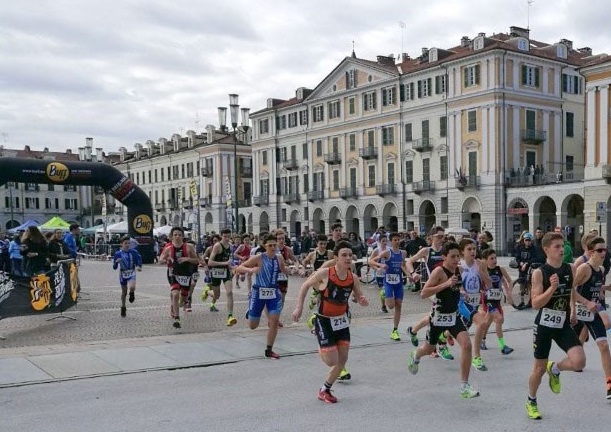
pixel 315 195
pixel 386 189
pixel 423 186
pixel 422 144
pixel 333 158
pixel 291 198
pixel 539 175
pixel 245 203
pixel 260 200
pixel 368 152
pixel 533 136
pixel 172 204
pixel 348 192
pixel 290 164
pixel 205 201
pixel 246 171
pixel 206 171
pixel 467 182
pixel 160 207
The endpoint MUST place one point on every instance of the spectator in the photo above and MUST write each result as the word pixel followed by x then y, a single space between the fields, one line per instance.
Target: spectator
pixel 359 248
pixel 5 260
pixel 58 249
pixel 14 250
pixel 35 251
pixel 538 237
pixel 70 239
pixel 482 245
pixel 414 244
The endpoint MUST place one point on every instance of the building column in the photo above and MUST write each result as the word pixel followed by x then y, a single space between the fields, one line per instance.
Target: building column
pixel 486 140
pixel 604 124
pixel 591 125
pixel 546 143
pixel 380 168
pixel 558 132
pixel 343 166
pixel 516 136
pixel 451 142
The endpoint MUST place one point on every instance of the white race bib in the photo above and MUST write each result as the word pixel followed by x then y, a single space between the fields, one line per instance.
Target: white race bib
pixel 282 277
pixel 473 299
pixel 444 319
pixel 583 313
pixel 494 294
pixel 184 281
pixel 267 293
pixel 126 274
pixel 552 318
pixel 218 272
pixel 339 322
pixel 393 278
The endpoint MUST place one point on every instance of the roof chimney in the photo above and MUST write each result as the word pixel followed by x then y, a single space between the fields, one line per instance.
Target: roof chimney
pixel 482 34
pixel 465 41
pixel 404 56
pixel 519 32
pixel 210 133
pixel 388 60
pixel 568 43
pixel 585 50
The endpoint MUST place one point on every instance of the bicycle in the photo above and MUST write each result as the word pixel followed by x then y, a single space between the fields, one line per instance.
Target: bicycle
pixel 366 273
pixel 520 289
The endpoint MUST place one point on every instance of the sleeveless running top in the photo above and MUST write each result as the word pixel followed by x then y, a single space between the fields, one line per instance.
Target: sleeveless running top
pixel 181 269
pixel 334 298
pixel 447 299
pixel 434 260
pixel 394 263
pixel 267 277
pixel 561 299
pixel 320 259
pixel 591 289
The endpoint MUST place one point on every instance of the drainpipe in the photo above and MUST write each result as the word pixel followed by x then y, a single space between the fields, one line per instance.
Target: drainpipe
pixel 503 205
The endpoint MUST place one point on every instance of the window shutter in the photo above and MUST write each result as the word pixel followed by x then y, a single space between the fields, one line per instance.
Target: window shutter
pixel 347 80
pixel 384 98
pixel 419 89
pixel 402 92
pixel 536 77
pixel 565 79
pixel 466 77
pixel 365 102
pixel 373 97
pixel 322 112
pixel 277 123
pixel 411 91
pixel 356 76
pixel 476 74
pixel 524 74
pixel 577 87
pixel 437 85
pixel 430 87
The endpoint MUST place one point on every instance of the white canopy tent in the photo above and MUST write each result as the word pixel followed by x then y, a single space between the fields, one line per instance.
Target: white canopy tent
pixel 164 230
pixel 118 228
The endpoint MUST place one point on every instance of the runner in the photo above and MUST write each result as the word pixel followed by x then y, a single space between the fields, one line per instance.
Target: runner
pixel 446 283
pixel 220 272
pixel 265 292
pixel 394 259
pixel 588 282
pixel 127 261
pixel 553 295
pixel 289 259
pixel 336 284
pixel 379 269
pixel 242 254
pixel 316 259
pixel 180 257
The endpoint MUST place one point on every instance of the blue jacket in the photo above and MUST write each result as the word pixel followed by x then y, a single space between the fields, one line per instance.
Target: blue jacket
pixel 14 250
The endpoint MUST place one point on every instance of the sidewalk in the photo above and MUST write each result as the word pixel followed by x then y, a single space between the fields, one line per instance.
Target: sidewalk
pixel 41 364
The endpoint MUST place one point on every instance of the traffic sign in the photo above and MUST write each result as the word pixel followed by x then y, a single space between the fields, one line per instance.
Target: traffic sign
pixel 601 212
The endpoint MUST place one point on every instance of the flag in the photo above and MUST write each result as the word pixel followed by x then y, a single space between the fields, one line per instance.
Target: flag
pixel 103 204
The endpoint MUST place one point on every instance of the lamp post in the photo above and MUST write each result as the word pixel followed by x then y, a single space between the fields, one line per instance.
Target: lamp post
pixel 234 109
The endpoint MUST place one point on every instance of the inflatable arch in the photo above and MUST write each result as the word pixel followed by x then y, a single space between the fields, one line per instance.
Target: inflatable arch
pixel 113 181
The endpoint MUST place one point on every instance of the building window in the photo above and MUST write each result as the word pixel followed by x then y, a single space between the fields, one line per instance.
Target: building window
pixel 440 84
pixel 306 183
pixel 335 180
pixel 352 140
pixel 409 171
pixel 264 126
pixel 264 157
pixel 388 135
pixel 318 113
pixel 424 87
pixel 426 169
pixel 531 123
pixel 409 206
pixel 281 122
pixel 569 162
pixel 570 124
pixel 530 76
pixel 304 151
pixel 444 204
pixel 388 96
pixel 292 119
pixel 443 167
pixel 406 92
pixel 471 75
pixel 369 101
pixel 351 76
pixel 283 215
pixel 334 110
pixel 319 148
pixel 371 138
pixel 371 177
pixel 408 132
pixel 353 178
pixel 303 117
pixel 531 159
pixel 571 84
pixel 443 126
pixel 391 173
pixel 472 164
pixel 472 121
pixel 351 105
pixel 523 44
pixel 51 188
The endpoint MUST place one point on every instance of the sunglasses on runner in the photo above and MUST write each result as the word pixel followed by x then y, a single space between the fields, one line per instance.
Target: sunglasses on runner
pixel 601 250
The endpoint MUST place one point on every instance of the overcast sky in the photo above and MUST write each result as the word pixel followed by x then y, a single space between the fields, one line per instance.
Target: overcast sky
pixel 126 71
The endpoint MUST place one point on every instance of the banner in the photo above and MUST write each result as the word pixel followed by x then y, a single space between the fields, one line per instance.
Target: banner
pixel 51 292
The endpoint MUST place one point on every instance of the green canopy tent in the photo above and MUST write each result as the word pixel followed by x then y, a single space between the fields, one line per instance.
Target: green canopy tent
pixel 54 223
pixel 93 230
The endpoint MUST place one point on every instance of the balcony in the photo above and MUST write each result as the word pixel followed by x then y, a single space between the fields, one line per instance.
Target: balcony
pixel 469 182
pixel 205 201
pixel 261 200
pixel 206 171
pixel 348 193
pixel 160 207
pixel 290 164
pixel 423 186
pixel 386 189
pixel 243 203
pixel 187 204
pixel 245 171
pixel 172 204
pixel 291 198
pixel 316 196
pixel 368 152
pixel 422 145
pixel 533 136
pixel 333 158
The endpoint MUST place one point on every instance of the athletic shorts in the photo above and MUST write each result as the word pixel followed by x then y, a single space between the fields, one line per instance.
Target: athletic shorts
pixel 492 306
pixel 393 291
pixel 180 282
pixel 436 331
pixel 565 338
pixel 125 276
pixel 327 337
pixel 256 304
pixel 596 328
pixel 466 312
pixel 216 281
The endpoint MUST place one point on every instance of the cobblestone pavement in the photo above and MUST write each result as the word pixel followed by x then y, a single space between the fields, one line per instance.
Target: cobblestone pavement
pixel 97 314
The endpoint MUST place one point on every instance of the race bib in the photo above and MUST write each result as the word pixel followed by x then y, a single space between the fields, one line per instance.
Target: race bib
pixel 218 272
pixel 583 313
pixel 494 294
pixel 282 277
pixel 444 319
pixel 184 281
pixel 126 274
pixel 339 322
pixel 473 299
pixel 552 318
pixel 393 278
pixel 267 293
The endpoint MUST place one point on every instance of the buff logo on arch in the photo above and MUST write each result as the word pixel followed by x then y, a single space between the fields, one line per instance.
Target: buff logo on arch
pixel 109 178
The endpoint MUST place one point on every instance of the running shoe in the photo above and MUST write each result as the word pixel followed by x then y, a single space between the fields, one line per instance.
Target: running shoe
pixel 478 364
pixel 231 321
pixel 187 307
pixel 213 308
pixel 271 355
pixel 176 323
pixel 382 295
pixel 412 366
pixel 132 296
pixel 123 311
pixel 483 346
pixel 384 309
pixel 444 353
pixel 609 389
pixel 326 396
pixel 344 375
pixel 412 336
pixel 205 293
pixel 468 392
pixel 506 350
pixel 532 410
pixel 310 321
pixel 554 380
pixel 394 335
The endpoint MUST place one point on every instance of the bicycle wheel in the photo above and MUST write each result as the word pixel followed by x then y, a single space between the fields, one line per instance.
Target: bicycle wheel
pixel 520 294
pixel 366 274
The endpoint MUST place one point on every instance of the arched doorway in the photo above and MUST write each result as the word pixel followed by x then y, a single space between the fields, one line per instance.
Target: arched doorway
pixel 334 216
pixel 572 207
pixel 545 209
pixel 389 217
pixel 517 220
pixel 176 222
pixel 163 221
pixel 12 224
pixel 208 221
pixel 471 214
pixel 370 220
pixel 426 216
pixel 352 220
pixel 295 224
pixel 318 221
pixel 263 222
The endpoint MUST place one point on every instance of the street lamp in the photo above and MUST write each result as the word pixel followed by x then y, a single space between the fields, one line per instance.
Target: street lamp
pixel 234 109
